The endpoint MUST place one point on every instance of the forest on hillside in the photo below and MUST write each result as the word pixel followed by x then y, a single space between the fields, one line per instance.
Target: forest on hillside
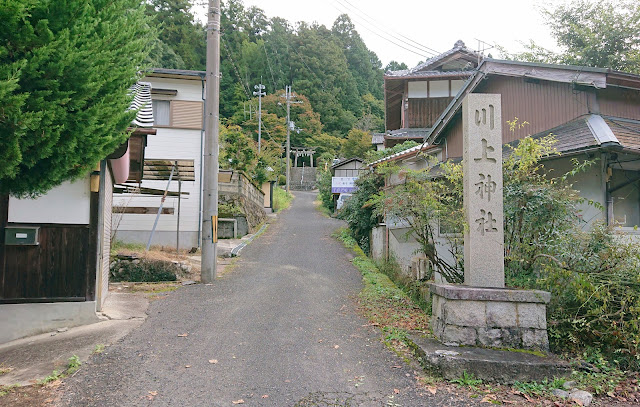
pixel 338 79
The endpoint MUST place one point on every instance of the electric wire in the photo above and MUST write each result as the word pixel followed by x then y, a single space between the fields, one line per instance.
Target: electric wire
pixel 245 86
pixel 273 78
pixel 414 51
pixel 399 36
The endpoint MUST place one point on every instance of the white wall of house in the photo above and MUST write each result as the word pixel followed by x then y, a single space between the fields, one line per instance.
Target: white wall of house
pixel 68 203
pixel 590 185
pixel 182 142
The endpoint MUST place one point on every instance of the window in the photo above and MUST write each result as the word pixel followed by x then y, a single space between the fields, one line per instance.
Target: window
pixel 161 112
pixel 438 89
pixel 417 89
pixel 456 85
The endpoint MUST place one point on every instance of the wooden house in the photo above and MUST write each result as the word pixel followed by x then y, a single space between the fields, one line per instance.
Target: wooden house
pixel 415 98
pixel 54 250
pixel 593 112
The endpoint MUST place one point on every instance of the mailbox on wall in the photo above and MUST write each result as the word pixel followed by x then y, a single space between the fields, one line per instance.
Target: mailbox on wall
pixel 21 236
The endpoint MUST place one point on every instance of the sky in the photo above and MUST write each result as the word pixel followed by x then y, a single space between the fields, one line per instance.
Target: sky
pixel 410 31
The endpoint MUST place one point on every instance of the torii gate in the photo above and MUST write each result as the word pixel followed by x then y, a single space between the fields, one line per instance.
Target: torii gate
pixel 302 152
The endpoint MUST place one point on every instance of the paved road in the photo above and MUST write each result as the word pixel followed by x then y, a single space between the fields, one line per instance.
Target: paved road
pixel 281 325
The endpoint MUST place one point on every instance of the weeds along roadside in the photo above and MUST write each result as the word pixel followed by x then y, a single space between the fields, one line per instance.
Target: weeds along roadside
pixel 399 311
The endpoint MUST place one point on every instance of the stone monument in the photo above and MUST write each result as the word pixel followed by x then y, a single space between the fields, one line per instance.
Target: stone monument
pixel 482 311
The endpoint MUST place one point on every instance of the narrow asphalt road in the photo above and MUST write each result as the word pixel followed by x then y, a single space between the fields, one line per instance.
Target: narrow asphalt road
pixel 278 329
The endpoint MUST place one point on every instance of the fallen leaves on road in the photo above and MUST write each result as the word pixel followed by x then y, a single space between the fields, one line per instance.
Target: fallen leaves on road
pixel 238 401
pixel 151 395
pixel 213 361
pixel 183 335
pixel 396 391
pixel 336 347
pixel 265 396
pixel 432 389
pixel 489 398
pixel 187 366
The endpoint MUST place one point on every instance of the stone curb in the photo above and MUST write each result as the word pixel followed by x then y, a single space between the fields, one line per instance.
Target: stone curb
pixel 489 365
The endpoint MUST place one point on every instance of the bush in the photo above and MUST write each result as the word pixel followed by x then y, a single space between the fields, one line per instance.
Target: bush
pixel 595 294
pixel 359 211
pixel 324 190
pixel 143 270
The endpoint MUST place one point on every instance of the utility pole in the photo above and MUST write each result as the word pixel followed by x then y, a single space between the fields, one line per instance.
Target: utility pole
pixel 259 93
pixel 289 95
pixel 210 161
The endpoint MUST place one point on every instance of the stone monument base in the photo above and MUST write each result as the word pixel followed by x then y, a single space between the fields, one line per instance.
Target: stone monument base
pixel 495 317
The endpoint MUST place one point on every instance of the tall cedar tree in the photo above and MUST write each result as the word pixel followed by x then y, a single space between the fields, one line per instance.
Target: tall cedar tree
pixel 65 70
pixel 181 42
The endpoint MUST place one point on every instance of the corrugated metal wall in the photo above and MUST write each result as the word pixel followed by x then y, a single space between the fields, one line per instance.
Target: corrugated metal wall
pixel 619 103
pixel 542 104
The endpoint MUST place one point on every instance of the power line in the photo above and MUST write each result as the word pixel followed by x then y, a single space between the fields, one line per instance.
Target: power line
pixel 391 33
pixel 273 78
pixel 245 87
pixel 414 51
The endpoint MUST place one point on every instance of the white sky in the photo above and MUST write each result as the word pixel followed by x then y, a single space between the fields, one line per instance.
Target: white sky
pixel 435 24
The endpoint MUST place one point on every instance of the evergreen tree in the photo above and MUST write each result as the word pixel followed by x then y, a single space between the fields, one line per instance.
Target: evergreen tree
pixel 181 42
pixel 65 71
pixel 603 34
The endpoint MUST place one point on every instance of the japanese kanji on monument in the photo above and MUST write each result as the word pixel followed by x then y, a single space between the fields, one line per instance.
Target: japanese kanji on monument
pixel 482 311
pixel 482 166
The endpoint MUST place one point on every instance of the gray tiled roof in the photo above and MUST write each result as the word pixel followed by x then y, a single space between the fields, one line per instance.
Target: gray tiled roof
pixel 407 133
pixel 424 67
pixel 377 138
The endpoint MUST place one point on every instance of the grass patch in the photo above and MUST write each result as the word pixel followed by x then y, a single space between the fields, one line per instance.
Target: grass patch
pixel 467 380
pixel 418 291
pixel 381 301
pixel 281 199
pixel 73 364
pixel 597 374
pixel 118 245
pixel 322 209
pixel 98 349
pixel 4 390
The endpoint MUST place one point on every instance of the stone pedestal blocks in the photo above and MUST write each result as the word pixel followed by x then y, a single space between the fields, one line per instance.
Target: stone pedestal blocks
pixel 494 317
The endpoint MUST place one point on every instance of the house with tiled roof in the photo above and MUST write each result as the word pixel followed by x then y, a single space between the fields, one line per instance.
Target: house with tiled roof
pixel 54 249
pixel 594 113
pixel 415 98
